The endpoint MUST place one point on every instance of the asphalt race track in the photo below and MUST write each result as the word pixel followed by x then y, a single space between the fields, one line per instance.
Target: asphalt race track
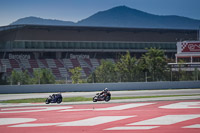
pixel 114 94
pixel 181 116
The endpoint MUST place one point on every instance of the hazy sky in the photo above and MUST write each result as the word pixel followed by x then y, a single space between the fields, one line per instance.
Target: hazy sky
pixel 75 10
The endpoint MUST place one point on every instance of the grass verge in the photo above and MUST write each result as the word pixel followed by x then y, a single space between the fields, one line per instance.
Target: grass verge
pixel 79 99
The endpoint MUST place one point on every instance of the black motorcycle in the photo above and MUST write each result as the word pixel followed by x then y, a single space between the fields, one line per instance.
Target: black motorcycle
pixel 55 98
pixel 102 97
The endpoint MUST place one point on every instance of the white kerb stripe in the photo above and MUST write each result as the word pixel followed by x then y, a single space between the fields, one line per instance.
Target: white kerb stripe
pixel 75 110
pixel 193 126
pixel 95 121
pixel 166 120
pixel 182 105
pixel 86 122
pixel 7 121
pixel 35 125
pixel 32 109
pixel 133 128
pixel 126 106
pixel 120 107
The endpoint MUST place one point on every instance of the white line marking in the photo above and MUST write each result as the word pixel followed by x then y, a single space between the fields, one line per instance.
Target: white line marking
pixel 76 110
pixel 193 126
pixel 120 107
pixel 166 120
pixel 36 125
pixel 126 106
pixel 133 128
pixel 7 121
pixel 86 122
pixel 35 109
pixel 95 121
pixel 182 105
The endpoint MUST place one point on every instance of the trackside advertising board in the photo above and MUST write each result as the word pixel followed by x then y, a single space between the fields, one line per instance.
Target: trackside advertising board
pixel 188 47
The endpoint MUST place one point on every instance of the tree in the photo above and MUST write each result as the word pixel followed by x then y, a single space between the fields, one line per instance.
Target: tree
pixel 25 78
pixel 196 74
pixel 37 76
pixel 43 76
pixel 182 74
pixel 154 62
pixel 19 77
pixel 105 72
pixel 76 74
pixel 14 77
pixel 143 67
pixel 47 77
pixel 3 80
pixel 127 68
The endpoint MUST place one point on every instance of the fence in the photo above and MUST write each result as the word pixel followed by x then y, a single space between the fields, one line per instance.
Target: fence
pixel 4 89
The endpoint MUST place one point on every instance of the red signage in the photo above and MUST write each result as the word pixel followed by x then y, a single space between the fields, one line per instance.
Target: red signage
pixel 190 46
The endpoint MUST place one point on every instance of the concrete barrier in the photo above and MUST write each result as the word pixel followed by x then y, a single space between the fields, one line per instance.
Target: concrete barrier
pixel 6 89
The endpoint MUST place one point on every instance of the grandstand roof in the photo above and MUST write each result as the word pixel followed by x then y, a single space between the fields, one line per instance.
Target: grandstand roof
pixel 81 33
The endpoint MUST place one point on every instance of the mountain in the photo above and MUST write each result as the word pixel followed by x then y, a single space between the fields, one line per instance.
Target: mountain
pixel 41 21
pixel 122 16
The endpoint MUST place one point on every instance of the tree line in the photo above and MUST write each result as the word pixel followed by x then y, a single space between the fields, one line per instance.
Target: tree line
pixel 152 66
pixel 40 76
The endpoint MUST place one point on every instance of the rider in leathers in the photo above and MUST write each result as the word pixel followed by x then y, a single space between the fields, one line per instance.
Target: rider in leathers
pixel 104 92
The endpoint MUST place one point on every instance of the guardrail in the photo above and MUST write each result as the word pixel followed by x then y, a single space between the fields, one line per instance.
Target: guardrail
pixel 5 89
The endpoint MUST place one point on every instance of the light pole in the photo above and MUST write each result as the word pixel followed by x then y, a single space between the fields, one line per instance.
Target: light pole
pixel 66 78
pixel 145 76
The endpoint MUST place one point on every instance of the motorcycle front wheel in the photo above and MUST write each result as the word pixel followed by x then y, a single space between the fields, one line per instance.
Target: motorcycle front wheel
pixel 94 99
pixel 47 101
pixel 107 98
pixel 59 100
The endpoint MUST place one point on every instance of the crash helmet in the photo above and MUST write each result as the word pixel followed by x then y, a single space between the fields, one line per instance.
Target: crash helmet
pixel 105 89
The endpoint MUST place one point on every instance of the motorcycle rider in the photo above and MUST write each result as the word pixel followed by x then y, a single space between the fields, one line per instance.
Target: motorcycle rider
pixel 104 92
pixel 55 96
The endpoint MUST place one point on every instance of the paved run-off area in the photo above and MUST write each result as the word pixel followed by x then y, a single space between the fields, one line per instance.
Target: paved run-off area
pixel 181 116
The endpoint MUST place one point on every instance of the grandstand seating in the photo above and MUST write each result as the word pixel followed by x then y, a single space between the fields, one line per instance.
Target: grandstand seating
pixel 25 63
pixel 87 71
pixel 67 63
pixel 56 72
pixel 63 72
pixel 58 63
pixel 6 62
pixel 95 63
pixel 30 70
pixel 14 63
pixel 59 67
pixel 43 63
pixel 88 62
pixel 51 63
pixel 111 60
pixel 75 62
pixel 33 63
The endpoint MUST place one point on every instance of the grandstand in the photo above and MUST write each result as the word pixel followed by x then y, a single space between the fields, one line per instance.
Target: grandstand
pixel 60 48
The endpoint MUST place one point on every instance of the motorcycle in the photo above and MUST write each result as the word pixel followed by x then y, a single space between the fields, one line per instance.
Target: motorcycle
pixel 55 98
pixel 102 97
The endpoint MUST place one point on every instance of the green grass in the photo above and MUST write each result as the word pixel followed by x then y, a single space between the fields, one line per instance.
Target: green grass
pixel 78 99
pixel 39 100
pixel 137 97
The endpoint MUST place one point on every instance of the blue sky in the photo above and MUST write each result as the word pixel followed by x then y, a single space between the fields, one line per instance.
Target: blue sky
pixel 75 10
